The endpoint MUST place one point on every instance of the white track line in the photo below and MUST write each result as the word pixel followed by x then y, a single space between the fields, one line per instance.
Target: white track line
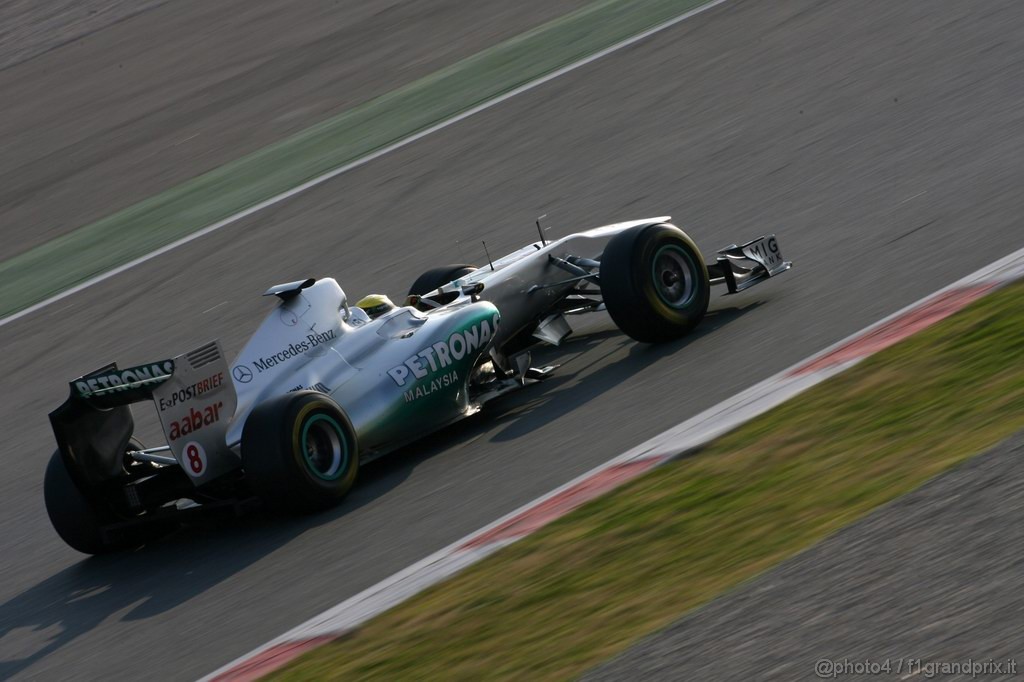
pixel 674 442
pixel 359 162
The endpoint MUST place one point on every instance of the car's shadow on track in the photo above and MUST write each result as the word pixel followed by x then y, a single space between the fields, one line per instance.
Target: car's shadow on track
pixel 139 585
pixel 563 393
pixel 64 606
pixel 142 584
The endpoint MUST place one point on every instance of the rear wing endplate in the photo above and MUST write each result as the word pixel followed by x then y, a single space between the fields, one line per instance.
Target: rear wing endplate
pixel 195 400
pixel 93 426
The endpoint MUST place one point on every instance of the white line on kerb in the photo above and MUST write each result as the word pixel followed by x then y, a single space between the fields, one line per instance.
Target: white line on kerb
pixel 359 162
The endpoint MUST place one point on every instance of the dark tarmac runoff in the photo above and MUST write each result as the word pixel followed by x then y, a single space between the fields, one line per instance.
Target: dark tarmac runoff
pixel 932 579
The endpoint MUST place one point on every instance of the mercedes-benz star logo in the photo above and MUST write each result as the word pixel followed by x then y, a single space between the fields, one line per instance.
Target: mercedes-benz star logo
pixel 242 374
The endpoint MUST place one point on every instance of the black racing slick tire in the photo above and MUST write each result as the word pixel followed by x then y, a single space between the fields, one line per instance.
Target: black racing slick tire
pixel 654 282
pixel 80 521
pixel 436 277
pixel 76 520
pixel 299 452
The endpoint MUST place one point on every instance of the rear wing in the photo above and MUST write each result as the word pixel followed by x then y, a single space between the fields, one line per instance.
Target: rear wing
pixel 110 386
pixel 95 423
pixel 193 395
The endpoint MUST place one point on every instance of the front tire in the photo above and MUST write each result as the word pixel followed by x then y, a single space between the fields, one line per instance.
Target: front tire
pixel 654 282
pixel 299 452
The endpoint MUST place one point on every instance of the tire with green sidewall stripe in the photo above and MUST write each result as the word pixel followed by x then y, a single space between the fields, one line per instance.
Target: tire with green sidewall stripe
pixel 654 282
pixel 300 452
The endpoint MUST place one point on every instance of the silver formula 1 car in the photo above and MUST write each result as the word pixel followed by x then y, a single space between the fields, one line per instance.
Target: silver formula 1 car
pixel 321 388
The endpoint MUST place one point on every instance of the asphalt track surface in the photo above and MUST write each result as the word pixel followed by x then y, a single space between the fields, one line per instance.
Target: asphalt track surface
pixel 118 100
pixel 880 140
pixel 936 573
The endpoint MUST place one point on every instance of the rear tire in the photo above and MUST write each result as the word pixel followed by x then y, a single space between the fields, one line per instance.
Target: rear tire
pixel 437 277
pixel 654 282
pixel 299 452
pixel 75 519
pixel 79 521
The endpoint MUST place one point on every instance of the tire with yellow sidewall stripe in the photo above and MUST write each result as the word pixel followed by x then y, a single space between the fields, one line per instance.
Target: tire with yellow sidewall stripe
pixel 654 282
pixel 300 452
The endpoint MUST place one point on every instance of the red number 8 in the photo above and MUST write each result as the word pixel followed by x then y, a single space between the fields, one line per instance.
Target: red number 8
pixel 194 460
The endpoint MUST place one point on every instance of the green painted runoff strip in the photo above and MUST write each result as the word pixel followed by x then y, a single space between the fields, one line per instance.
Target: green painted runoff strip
pixel 50 268
pixel 589 585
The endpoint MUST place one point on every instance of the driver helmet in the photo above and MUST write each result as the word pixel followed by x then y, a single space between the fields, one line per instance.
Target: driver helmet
pixel 375 305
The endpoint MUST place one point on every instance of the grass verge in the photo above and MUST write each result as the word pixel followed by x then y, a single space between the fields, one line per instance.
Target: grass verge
pixel 78 256
pixel 589 585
